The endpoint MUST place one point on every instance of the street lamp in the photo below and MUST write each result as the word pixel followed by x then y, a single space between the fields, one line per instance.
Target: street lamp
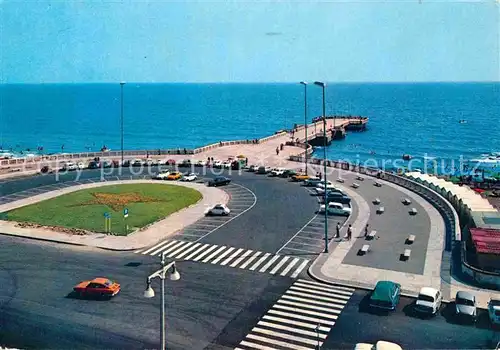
pixel 305 119
pixel 121 115
pixel 323 86
pixel 172 275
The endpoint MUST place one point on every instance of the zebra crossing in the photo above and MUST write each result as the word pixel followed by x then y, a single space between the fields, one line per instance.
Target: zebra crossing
pixel 257 261
pixel 301 319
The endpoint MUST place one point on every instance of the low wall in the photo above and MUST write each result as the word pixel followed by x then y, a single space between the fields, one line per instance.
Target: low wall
pixel 484 278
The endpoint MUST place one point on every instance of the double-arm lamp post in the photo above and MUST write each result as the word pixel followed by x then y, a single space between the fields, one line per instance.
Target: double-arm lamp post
pixel 305 120
pixel 323 86
pixel 167 271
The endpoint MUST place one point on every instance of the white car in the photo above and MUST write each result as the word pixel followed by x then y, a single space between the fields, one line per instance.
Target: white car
pixel 217 164
pixel 428 301
pixel 227 164
pixel 277 172
pixel 494 311
pixel 80 165
pixel 218 210
pixel 380 345
pixel 137 162
pixel 189 177
pixel 162 176
pixel 69 166
pixel 322 184
pixel 321 189
pixel 336 209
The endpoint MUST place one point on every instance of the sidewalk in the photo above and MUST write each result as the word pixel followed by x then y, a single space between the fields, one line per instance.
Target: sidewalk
pixel 329 268
pixel 134 241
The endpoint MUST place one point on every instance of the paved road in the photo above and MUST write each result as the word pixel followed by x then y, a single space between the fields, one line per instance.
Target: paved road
pixel 36 312
pixel 356 324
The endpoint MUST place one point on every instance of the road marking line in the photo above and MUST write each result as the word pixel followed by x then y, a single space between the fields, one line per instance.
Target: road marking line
pixel 299 231
pixel 296 323
pixel 289 267
pixel 177 251
pixel 291 329
pixel 214 254
pixel 173 246
pixel 254 346
pixel 326 285
pixel 269 263
pixel 321 303
pixel 331 294
pixel 155 246
pixel 285 336
pixel 307 306
pixel 304 318
pixel 307 312
pixel 205 253
pixel 300 268
pixel 260 261
pixel 311 239
pixel 240 259
pixel 232 256
pixel 252 258
pixel 291 292
pixel 223 255
pixel 322 289
pixel 184 253
pixel 302 250
pixel 276 342
pixel 234 217
pixel 281 263
pixel 196 252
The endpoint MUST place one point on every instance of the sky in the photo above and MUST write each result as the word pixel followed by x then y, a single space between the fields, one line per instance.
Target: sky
pixel 244 41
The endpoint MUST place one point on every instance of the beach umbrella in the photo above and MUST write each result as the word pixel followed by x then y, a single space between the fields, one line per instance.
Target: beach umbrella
pixel 241 156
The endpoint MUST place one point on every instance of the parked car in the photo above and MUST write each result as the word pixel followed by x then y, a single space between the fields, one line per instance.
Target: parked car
pixel 385 295
pixel 380 345
pixel 321 184
pixel 238 164
pixel 219 181
pixel 80 166
pixel 94 165
pixel 252 168
pixel 288 173
pixel 175 175
pixel 321 190
pixel 494 311
pixel 137 162
pixel 428 301
pixel 335 197
pixel 45 170
pixel 465 306
pixel 69 166
pixel 98 287
pixel 263 170
pixel 227 164
pixel 336 209
pixel 300 177
pixel 186 163
pixel 162 176
pixel 217 164
pixel 276 172
pixel 218 210
pixel 188 177
pixel 312 182
pixel 106 164
pixel 198 163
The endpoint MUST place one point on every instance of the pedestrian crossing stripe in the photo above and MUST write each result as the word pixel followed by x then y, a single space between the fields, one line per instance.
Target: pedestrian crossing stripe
pixel 229 256
pixel 300 321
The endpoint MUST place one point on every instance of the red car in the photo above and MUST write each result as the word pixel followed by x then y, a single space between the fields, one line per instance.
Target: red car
pixel 98 287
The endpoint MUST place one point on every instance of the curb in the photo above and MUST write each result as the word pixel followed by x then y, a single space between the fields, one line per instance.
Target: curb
pixel 68 243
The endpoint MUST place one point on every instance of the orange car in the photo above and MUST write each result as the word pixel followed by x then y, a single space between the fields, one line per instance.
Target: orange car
pixel 98 287
pixel 300 177
pixel 174 176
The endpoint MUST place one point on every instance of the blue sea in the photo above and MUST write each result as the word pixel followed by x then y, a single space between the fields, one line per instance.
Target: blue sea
pixel 416 119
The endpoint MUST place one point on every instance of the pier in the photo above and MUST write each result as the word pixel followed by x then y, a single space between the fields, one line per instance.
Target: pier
pixel 287 142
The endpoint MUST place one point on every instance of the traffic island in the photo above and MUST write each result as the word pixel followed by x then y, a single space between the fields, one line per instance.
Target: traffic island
pixel 81 214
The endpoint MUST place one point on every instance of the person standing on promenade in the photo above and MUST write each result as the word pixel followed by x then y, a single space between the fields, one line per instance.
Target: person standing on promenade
pixel 337 234
pixel 277 151
pixel 366 230
pixel 349 233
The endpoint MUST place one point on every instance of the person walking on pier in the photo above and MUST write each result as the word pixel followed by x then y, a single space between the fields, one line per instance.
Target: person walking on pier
pixel 277 151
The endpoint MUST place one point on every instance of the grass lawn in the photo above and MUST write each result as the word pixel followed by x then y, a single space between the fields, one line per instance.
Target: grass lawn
pixel 85 209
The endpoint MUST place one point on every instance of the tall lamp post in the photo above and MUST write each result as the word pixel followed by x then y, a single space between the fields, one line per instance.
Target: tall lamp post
pixel 305 119
pixel 323 86
pixel 173 275
pixel 121 116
